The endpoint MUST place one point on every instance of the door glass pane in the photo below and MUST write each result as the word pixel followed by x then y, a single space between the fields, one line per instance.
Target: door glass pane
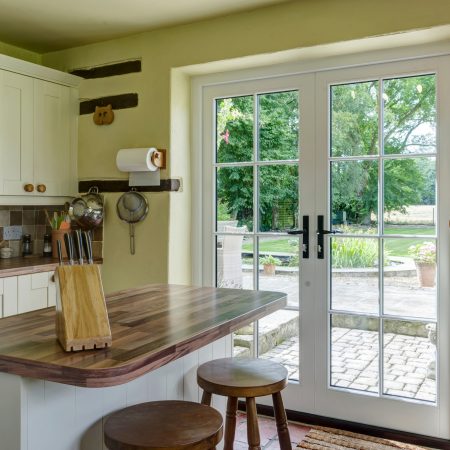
pixel 410 196
pixel 234 129
pixel 354 275
pixel 354 352
pixel 410 359
pixel 278 126
pixel 278 333
pixel 354 119
pixel 410 277
pixel 278 197
pixel 354 191
pixel 234 196
pixel 409 110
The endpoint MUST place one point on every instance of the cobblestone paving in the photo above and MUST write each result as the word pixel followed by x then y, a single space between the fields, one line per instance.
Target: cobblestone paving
pixel 355 362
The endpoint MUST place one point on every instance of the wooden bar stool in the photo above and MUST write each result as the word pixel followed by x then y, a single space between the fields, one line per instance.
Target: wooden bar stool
pixel 249 378
pixel 168 425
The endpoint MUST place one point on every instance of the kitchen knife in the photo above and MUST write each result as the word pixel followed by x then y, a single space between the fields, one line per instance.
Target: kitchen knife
pixel 87 241
pixel 69 247
pixel 58 244
pixel 78 246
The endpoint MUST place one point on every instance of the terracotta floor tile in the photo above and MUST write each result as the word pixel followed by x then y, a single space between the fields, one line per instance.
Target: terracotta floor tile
pixel 297 432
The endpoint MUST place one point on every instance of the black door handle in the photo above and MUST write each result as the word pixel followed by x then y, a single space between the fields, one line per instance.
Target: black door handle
pixel 320 234
pixel 305 233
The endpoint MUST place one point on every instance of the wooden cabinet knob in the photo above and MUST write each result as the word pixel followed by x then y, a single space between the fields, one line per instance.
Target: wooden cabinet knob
pixel 28 187
pixel 41 188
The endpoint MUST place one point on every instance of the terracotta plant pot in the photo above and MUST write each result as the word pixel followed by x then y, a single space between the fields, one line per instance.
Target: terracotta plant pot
pixel 426 272
pixel 269 269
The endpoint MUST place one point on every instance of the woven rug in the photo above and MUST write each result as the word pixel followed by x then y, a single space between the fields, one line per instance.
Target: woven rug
pixel 319 438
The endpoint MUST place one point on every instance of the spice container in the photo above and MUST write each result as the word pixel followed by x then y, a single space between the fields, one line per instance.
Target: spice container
pixel 47 245
pixel 26 245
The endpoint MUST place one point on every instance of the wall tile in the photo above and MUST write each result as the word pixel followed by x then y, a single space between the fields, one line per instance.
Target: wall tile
pixel 15 217
pixel 4 218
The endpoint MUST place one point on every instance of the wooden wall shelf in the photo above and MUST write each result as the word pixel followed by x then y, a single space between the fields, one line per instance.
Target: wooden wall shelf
pixel 169 185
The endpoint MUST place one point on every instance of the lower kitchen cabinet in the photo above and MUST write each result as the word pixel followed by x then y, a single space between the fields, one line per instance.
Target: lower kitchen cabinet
pixel 26 293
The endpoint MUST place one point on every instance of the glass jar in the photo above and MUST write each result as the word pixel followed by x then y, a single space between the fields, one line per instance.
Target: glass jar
pixel 47 245
pixel 26 245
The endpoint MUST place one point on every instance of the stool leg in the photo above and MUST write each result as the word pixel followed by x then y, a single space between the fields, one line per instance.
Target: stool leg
pixel 206 398
pixel 252 425
pixel 230 423
pixel 281 419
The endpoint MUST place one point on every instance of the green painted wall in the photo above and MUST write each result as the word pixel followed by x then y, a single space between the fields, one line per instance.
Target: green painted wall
pixel 163 240
pixel 20 53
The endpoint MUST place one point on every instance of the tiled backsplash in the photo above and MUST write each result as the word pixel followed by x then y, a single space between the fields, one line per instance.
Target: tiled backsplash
pixel 33 221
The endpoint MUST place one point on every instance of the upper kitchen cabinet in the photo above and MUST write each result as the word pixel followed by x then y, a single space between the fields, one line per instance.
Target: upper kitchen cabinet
pixel 38 134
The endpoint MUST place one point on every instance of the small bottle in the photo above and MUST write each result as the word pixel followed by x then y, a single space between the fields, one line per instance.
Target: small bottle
pixel 26 245
pixel 47 245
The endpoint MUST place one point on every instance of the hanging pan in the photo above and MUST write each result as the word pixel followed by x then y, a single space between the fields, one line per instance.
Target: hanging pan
pixel 132 207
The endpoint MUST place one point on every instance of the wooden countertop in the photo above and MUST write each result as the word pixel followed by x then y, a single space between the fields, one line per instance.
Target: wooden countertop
pixel 12 267
pixel 151 326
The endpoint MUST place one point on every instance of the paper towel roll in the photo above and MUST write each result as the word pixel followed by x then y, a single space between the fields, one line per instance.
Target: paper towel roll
pixel 136 160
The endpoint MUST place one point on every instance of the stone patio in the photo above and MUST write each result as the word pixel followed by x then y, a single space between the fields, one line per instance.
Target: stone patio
pixel 407 350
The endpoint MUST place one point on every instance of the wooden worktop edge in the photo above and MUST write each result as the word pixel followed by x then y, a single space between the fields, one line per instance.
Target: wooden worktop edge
pixel 120 374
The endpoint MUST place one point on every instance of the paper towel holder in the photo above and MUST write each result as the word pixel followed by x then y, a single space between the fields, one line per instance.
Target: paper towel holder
pixel 145 171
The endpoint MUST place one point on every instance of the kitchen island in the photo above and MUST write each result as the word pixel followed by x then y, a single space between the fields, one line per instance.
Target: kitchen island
pixel 161 333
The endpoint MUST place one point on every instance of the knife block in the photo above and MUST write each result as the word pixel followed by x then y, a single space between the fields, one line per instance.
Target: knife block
pixel 81 317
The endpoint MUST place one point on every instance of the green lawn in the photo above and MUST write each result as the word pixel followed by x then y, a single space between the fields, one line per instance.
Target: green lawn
pixel 399 247
pixel 277 246
pixel 396 247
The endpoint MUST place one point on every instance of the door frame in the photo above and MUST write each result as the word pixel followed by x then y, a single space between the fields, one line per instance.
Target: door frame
pixel 439 422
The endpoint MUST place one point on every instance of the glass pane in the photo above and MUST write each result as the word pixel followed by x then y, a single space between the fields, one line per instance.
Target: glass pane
pixel 244 342
pixel 234 202
pixel 410 196
pixel 354 352
pixel 410 359
pixel 234 264
pixel 278 197
pixel 354 275
pixel 278 333
pixel 278 126
pixel 354 119
pixel 409 115
pixel 410 277
pixel 234 129
pixel 354 190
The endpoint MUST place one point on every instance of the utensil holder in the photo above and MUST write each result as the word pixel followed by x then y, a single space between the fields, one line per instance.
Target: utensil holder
pixel 58 235
pixel 81 316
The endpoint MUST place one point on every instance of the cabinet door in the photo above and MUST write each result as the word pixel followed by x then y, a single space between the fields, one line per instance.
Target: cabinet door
pixel 16 133
pixel 9 296
pixel 32 292
pixel 52 138
pixel 1 297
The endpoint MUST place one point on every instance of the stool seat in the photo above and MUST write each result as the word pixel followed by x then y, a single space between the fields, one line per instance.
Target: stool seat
pixel 249 378
pixel 242 377
pixel 168 425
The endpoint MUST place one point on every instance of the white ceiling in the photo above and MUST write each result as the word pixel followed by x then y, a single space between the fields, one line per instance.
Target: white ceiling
pixel 46 25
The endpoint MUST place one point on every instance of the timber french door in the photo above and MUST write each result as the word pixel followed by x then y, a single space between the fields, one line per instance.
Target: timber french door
pixel 360 155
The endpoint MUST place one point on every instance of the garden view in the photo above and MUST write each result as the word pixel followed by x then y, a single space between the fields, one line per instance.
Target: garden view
pixel 382 195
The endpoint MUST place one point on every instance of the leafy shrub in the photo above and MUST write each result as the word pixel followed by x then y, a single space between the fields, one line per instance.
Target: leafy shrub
pixel 354 253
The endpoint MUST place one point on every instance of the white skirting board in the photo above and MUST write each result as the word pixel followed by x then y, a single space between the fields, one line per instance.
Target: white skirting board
pixel 42 415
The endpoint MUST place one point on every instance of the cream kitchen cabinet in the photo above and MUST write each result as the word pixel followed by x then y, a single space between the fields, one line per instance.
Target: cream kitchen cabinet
pixel 26 293
pixel 38 135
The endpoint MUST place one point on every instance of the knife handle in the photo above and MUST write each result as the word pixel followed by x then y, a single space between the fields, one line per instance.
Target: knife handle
pixel 68 240
pixel 79 246
pixel 58 244
pixel 87 241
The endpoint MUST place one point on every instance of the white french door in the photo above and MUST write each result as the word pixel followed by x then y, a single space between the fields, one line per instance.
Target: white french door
pixel 362 155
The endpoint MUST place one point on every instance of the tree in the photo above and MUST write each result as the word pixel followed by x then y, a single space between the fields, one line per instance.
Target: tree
pixel 409 112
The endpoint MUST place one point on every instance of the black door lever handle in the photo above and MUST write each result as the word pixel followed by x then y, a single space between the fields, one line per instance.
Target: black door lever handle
pixel 305 233
pixel 320 233
pixel 296 232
